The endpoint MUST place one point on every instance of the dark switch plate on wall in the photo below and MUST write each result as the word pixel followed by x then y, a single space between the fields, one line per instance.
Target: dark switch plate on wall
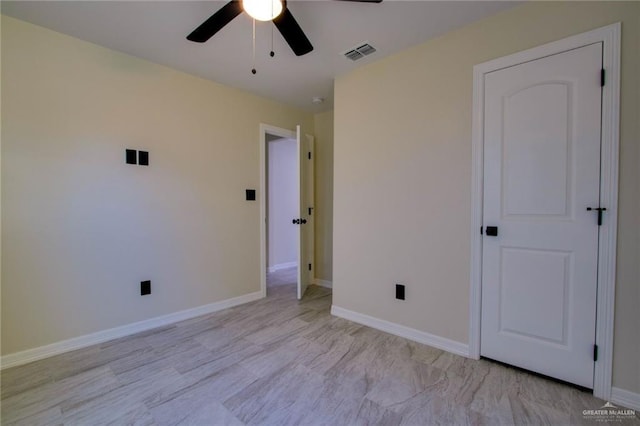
pixel 143 158
pixel 131 156
pixel 251 194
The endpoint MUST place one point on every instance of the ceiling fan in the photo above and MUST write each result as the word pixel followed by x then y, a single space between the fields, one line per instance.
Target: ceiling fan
pixel 262 10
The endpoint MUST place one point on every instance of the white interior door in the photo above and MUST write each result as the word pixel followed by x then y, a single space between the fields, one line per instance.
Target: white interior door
pixel 541 173
pixel 305 219
pixel 309 228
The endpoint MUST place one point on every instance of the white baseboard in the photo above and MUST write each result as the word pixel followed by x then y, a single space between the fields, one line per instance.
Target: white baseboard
pixel 323 283
pixel 625 398
pixel 403 331
pixel 30 355
pixel 279 266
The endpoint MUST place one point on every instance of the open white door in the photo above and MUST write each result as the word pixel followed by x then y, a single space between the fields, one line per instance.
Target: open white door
pixel 305 219
pixel 309 228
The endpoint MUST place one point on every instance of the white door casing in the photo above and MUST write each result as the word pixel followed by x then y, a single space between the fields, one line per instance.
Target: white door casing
pixel 541 172
pixel 559 260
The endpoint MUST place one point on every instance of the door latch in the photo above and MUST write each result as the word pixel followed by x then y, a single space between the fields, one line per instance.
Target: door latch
pixel 299 221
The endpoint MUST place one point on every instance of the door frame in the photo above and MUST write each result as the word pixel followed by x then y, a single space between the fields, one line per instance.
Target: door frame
pixel 610 38
pixel 284 133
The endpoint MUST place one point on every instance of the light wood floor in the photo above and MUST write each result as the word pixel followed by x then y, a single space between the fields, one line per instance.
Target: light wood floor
pixel 278 361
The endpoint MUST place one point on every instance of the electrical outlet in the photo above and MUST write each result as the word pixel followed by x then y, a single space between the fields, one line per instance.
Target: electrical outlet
pixel 145 288
pixel 400 291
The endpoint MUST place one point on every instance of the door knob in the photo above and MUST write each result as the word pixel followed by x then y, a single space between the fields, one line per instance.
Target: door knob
pixel 296 221
pixel 492 231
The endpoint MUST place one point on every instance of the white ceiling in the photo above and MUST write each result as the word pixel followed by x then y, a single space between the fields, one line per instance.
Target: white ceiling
pixel 156 31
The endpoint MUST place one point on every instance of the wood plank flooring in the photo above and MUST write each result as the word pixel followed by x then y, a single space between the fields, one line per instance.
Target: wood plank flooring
pixel 278 361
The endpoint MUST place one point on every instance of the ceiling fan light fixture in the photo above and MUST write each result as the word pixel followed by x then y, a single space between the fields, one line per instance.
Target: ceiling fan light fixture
pixel 263 10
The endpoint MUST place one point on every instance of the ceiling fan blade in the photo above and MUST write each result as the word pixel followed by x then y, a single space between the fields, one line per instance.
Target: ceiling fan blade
pixel 216 22
pixel 292 33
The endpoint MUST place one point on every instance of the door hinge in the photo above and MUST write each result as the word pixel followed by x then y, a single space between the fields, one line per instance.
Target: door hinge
pixel 602 77
pixel 309 155
pixel 595 352
pixel 481 228
pixel 309 266
pixel 310 210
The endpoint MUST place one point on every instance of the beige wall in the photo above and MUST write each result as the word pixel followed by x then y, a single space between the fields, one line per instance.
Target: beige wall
pixel 403 173
pixel 81 229
pixel 323 179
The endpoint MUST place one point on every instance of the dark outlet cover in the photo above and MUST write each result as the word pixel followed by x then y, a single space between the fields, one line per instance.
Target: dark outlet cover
pixel 145 288
pixel 400 291
pixel 131 156
pixel 143 158
pixel 251 194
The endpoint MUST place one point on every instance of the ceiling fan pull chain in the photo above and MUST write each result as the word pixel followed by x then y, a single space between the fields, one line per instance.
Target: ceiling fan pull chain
pixel 253 70
pixel 272 53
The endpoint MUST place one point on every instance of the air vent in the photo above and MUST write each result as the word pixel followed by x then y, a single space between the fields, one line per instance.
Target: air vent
pixel 354 55
pixel 360 52
pixel 366 49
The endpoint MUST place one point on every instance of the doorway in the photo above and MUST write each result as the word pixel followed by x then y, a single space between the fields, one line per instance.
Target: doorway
pixel 295 216
pixel 282 198
pixel 540 184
